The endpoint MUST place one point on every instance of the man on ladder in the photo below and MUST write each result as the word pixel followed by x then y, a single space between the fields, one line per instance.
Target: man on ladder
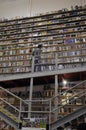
pixel 37 58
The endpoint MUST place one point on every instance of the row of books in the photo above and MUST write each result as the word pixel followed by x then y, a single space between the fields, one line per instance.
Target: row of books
pixel 72 60
pixel 45 44
pixel 63 60
pixel 59 31
pixel 57 14
pixel 47 47
pixel 61 38
pixel 42 62
pixel 70 21
pixel 72 53
pixel 35 30
pixel 14 64
pixel 24 69
pixel 72 46
pixel 14 70
pixel 59 67
pixel 50 52
pixel 15 58
pixel 48 59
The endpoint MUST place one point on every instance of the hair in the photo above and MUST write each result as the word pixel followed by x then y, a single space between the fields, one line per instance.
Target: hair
pixel 40 45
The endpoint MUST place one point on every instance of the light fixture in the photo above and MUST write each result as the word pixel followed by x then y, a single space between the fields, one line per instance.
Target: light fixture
pixel 64 82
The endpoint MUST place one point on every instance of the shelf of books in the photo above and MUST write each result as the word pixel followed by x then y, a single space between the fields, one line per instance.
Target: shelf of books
pixel 61 34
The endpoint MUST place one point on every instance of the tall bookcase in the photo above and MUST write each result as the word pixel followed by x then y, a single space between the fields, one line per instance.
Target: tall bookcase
pixel 62 35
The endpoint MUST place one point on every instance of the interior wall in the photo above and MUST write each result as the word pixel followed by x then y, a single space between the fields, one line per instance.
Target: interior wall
pixel 13 8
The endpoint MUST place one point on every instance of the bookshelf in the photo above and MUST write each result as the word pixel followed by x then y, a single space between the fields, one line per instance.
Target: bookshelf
pixel 61 33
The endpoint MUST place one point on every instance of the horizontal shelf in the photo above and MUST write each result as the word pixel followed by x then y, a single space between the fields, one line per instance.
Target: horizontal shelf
pixel 70 12
pixel 49 29
pixel 48 23
pixel 17 75
pixel 61 33
pixel 43 36
pixel 52 49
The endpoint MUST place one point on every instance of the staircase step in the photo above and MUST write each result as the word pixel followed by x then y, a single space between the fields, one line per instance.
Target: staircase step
pixel 10 115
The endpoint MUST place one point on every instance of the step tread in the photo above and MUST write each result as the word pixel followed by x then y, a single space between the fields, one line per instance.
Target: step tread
pixel 9 115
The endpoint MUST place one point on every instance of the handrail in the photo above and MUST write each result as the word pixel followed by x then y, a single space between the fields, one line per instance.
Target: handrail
pixel 13 95
pixel 48 101
pixel 81 92
pixel 9 104
pixel 41 100
pixel 70 88
pixel 61 105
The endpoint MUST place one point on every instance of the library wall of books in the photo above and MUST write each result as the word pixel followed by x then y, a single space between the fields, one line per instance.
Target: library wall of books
pixel 60 34
pixel 46 43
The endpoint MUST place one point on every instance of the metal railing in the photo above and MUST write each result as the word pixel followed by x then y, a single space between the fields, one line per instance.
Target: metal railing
pixel 50 109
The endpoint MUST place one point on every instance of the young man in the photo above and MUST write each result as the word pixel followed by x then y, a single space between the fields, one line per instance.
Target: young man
pixel 37 58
